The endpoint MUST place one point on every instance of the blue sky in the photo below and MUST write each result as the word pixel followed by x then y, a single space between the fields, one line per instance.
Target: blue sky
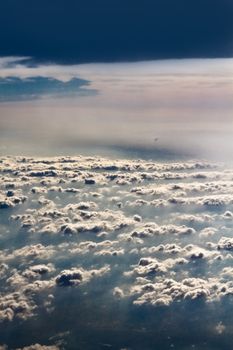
pixel 117 30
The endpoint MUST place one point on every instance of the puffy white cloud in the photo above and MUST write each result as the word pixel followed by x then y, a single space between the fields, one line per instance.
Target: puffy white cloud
pixel 158 233
pixel 15 305
pixel 225 243
pixel 39 347
pixel 149 266
pixel 152 229
pixel 167 291
pixel 75 276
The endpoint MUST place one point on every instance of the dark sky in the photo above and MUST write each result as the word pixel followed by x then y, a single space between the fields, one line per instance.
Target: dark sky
pixel 116 30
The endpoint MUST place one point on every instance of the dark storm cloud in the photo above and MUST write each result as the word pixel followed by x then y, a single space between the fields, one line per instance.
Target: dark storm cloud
pixel 114 30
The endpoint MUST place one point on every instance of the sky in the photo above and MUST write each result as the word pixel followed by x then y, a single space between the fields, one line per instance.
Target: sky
pixel 116 191
pixel 132 75
pixel 116 30
pixel 181 106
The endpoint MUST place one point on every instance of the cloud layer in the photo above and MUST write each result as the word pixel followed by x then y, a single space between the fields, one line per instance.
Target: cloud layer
pixel 90 104
pixel 80 230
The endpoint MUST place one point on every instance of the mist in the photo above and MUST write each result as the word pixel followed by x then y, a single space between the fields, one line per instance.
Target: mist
pixel 179 108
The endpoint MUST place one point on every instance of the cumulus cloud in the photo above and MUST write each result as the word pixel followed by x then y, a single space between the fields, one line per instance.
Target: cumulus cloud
pixel 76 276
pixel 15 305
pixel 167 291
pixel 143 232
pixel 225 243
pixel 39 347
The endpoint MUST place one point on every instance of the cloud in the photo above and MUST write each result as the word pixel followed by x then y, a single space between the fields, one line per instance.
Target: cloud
pixel 16 89
pixel 15 305
pixel 167 291
pixel 39 347
pixel 72 242
pixel 76 276
pixel 225 243
pixel 150 266
pixel 152 229
pixel 92 115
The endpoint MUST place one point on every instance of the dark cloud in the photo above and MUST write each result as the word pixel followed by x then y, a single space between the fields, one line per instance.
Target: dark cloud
pixel 116 30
